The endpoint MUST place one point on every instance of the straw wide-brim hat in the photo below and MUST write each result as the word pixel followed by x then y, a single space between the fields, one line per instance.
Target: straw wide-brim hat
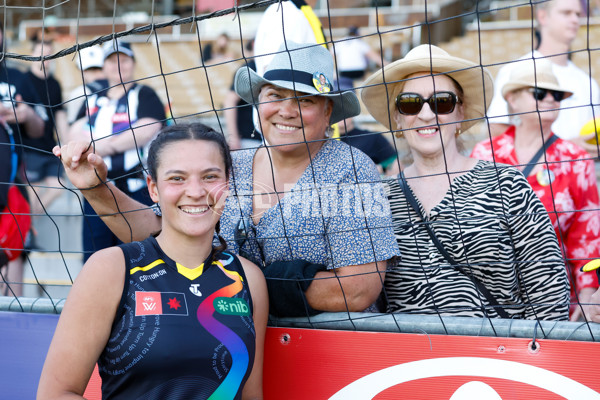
pixel 475 81
pixel 305 68
pixel 533 72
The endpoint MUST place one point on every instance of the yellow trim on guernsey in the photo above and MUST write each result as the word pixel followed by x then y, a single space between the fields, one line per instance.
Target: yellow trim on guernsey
pixel 190 273
pixel 147 267
pixel 227 271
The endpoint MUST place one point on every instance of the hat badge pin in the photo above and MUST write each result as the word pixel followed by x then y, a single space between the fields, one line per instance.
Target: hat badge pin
pixel 545 177
pixel 321 83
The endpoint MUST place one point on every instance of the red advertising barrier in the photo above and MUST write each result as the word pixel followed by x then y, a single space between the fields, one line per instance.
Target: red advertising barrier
pixel 345 365
pixel 318 364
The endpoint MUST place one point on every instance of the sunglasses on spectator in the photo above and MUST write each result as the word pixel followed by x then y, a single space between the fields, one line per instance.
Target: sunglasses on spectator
pixel 540 94
pixel 439 102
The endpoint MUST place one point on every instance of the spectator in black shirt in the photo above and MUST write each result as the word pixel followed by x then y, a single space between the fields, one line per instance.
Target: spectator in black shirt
pixel 19 104
pixel 90 62
pixel 21 110
pixel 41 167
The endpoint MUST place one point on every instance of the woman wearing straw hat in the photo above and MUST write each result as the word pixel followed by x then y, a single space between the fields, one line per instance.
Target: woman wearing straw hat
pixel 302 206
pixel 560 173
pixel 474 238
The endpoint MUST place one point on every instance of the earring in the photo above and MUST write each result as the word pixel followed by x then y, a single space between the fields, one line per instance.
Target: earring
pixel 457 132
pixel 399 133
pixel 253 133
pixel 328 132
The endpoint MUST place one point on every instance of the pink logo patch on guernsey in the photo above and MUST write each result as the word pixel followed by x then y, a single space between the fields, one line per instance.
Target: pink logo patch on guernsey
pixel 160 303
pixel 148 303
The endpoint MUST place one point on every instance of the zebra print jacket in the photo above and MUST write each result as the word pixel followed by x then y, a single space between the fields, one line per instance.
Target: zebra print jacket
pixel 493 225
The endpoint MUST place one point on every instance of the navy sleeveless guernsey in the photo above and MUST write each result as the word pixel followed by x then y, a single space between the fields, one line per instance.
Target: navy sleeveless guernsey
pixel 179 333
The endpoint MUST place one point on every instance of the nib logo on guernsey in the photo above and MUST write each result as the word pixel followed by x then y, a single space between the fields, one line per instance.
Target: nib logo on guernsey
pixel 228 306
pixel 160 303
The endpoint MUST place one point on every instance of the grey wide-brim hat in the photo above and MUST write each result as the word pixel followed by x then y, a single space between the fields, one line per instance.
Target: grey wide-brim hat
pixel 305 68
pixel 476 82
pixel 533 72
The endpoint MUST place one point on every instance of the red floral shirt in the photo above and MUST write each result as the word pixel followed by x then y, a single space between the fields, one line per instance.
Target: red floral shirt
pixel 571 198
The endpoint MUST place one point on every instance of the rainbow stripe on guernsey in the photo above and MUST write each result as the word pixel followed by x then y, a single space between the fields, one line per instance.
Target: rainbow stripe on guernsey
pixel 232 342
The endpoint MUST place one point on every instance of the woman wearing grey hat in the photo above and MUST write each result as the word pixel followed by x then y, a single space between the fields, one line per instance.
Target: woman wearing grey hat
pixel 475 240
pixel 308 207
pixel 302 206
pixel 561 173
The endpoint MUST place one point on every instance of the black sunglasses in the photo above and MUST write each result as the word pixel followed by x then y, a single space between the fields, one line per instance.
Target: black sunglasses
pixel 439 102
pixel 540 94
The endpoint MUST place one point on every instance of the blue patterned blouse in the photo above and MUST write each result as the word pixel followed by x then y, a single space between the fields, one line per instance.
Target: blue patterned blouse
pixel 337 214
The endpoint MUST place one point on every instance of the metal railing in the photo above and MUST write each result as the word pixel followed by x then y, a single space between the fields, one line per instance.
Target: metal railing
pixel 401 323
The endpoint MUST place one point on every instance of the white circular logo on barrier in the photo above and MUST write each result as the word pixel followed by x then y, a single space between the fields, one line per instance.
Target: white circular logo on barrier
pixel 369 386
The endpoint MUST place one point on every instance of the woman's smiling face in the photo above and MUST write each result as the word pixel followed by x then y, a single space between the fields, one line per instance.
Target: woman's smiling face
pixel 426 132
pixel 191 186
pixel 289 118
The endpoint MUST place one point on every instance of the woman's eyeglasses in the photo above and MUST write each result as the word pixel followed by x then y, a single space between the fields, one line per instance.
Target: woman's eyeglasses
pixel 439 102
pixel 540 94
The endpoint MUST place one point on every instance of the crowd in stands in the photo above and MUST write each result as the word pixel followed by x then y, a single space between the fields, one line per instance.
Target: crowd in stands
pixel 309 213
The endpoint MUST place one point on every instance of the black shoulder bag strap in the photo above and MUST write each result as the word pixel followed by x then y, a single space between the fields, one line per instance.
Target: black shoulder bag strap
pixel 531 164
pixel 480 286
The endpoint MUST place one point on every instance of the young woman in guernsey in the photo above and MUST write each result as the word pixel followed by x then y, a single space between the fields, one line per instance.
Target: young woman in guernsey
pixel 172 316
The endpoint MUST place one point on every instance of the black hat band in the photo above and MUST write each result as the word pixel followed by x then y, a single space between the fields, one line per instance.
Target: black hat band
pixel 289 75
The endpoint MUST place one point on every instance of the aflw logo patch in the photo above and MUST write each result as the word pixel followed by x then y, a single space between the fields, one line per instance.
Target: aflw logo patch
pixel 160 303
